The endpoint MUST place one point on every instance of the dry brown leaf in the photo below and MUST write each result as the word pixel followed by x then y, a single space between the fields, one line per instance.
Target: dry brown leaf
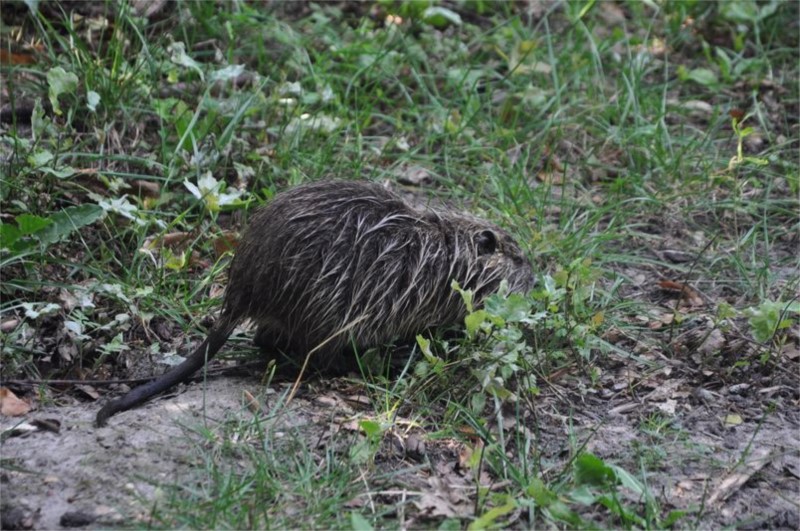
pixel 434 505
pixel 661 320
pixel 551 177
pixel 174 239
pixel 687 293
pixel 171 240
pixel 326 401
pixel 414 176
pixel 89 391
pixel 712 343
pixel 225 242
pixel 12 58
pixel 10 405
pixel 358 400
pixel 252 404
pixel 758 458
pixel 790 351
pixel 8 325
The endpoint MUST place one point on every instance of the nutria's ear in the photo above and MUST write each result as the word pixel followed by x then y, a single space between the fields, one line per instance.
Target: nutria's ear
pixel 485 242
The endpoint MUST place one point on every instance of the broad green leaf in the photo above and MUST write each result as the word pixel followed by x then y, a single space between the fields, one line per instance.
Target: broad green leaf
pixel 489 518
pixel 68 220
pixel 466 295
pixel 9 235
pixel 474 320
pixel 40 158
pixel 540 493
pixel 61 172
pixel 478 402
pixel 769 317
pixel 513 309
pixel 739 10
pixel 559 510
pixel 359 523
pixel 628 480
pixel 584 495
pixel 703 76
pixel 371 428
pixel 29 224
pixel 441 17
pixel 590 469
pixel 60 82
pixel 174 262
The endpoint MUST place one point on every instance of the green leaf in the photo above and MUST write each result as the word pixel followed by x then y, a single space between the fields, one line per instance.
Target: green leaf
pixel 559 510
pixel 40 158
pixel 590 469
pixel 583 495
pixel 762 321
pixel 478 402
pixel 9 235
pixel 441 17
pixel 703 76
pixel 61 173
pixel 474 321
pixel 60 82
pixel 540 493
pixel 359 523
pixel 39 123
pixel 513 309
pixel 29 224
pixel 628 480
pixel 371 428
pixel 741 11
pixel 672 518
pixel 68 220
pixel 489 518
pixel 174 261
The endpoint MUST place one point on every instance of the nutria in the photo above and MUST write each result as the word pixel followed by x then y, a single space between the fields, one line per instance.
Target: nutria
pixel 349 256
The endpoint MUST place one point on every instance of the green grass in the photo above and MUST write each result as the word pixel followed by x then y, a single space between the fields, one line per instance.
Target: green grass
pixel 572 129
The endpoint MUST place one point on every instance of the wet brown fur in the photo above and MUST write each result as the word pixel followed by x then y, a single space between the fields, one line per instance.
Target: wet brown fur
pixel 352 255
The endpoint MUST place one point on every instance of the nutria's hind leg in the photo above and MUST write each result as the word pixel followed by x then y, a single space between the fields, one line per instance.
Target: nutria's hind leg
pixel 270 336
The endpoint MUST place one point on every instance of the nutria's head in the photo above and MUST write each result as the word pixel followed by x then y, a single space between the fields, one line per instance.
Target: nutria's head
pixel 493 256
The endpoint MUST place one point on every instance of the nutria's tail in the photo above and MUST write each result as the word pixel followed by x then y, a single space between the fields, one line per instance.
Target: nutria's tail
pixel 206 351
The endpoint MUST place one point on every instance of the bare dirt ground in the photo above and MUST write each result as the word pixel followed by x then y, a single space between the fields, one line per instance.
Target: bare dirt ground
pixel 745 475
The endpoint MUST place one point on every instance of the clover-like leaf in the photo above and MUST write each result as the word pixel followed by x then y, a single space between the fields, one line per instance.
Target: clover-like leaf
pixel 60 82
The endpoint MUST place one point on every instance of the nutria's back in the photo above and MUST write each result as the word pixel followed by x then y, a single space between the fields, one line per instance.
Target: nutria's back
pixel 349 264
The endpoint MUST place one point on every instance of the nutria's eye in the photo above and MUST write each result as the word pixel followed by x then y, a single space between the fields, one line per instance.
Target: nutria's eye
pixel 486 242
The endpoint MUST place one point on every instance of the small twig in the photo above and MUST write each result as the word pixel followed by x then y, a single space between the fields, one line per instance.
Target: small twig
pixel 341 331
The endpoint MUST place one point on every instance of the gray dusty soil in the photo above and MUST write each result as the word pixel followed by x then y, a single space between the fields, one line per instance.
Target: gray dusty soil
pixel 743 475
pixel 109 473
